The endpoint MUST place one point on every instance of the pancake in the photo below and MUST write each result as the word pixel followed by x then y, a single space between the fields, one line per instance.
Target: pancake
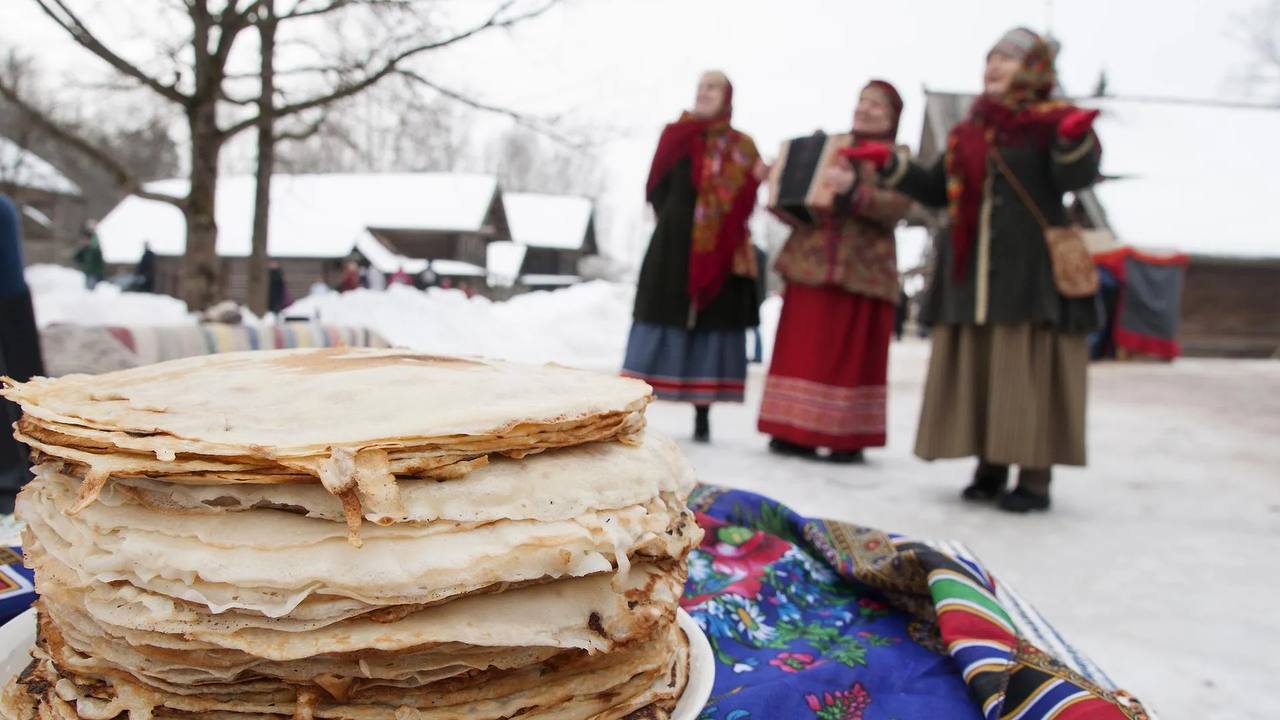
pixel 366 535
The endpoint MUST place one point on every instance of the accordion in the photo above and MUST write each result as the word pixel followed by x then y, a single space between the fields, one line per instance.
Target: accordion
pixel 797 191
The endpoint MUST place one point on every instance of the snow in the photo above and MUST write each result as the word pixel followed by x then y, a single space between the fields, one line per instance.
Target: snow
pixel 385 259
pixel 457 268
pixel 550 221
pixel 1196 197
pixel 504 260
pixel 60 297
pixel 37 217
pixel 315 216
pixel 535 279
pixel 584 325
pixel 23 168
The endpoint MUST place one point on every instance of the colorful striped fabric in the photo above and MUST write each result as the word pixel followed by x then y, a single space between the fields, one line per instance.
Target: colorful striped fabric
pixel 92 349
pixel 1014 664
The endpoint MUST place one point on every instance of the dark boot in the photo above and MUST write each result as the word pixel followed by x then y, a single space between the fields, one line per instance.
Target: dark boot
pixel 988 483
pixel 702 423
pixel 1031 494
pixel 784 447
pixel 846 457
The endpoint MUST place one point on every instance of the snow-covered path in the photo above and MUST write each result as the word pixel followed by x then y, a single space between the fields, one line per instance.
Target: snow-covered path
pixel 1158 560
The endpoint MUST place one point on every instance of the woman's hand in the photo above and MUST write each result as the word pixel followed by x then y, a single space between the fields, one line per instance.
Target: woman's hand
pixel 840 177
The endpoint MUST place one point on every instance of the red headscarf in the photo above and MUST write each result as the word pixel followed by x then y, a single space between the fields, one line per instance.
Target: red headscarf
pixel 722 160
pixel 1024 115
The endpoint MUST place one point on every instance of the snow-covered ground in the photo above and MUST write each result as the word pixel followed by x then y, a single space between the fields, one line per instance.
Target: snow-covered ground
pixel 60 296
pixel 1157 559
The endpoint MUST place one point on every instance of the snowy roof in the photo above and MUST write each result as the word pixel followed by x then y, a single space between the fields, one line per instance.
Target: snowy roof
pixel 311 215
pixel 1172 193
pixel 21 167
pixel 37 217
pixel 546 280
pixel 504 260
pixel 383 258
pixel 1197 197
pixel 550 221
pixel 457 268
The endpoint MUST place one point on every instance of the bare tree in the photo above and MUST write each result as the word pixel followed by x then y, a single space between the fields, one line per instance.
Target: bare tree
pixel 1259 29
pixel 527 160
pixel 203 84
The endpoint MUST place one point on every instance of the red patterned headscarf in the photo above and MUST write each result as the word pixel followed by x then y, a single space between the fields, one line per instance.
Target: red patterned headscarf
pixel 1024 115
pixel 722 161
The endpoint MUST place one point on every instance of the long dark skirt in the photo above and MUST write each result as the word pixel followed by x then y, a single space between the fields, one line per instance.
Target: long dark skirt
pixel 698 366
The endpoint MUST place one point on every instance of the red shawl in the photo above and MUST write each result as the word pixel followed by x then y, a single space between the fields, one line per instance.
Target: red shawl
pixel 1023 117
pixel 722 163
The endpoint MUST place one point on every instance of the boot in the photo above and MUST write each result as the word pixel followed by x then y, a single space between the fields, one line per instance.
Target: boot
pixel 1032 493
pixel 989 481
pixel 702 423
pixel 784 447
pixel 846 457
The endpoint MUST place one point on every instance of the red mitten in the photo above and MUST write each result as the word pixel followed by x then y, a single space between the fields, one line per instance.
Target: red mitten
pixel 877 154
pixel 1077 123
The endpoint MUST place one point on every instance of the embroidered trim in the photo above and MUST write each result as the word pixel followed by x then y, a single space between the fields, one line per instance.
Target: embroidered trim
pixel 981 280
pixel 826 409
pixel 1066 157
pixel 903 156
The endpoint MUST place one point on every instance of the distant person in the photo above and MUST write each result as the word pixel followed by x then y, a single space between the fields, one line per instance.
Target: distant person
pixel 88 256
pixel 1007 376
pixel 401 277
pixel 350 279
pixel 277 294
pixel 19 347
pixel 146 271
pixel 696 295
pixel 828 382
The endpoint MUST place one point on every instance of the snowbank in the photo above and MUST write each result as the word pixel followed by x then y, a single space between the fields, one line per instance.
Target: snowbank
pixel 585 325
pixel 60 297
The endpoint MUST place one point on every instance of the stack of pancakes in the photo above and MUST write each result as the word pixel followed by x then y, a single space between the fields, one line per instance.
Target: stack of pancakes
pixel 351 534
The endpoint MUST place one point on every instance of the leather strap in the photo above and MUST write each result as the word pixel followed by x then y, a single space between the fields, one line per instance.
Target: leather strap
pixel 1018 188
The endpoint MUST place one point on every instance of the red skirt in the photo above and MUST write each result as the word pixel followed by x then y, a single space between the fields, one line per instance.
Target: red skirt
pixel 827 383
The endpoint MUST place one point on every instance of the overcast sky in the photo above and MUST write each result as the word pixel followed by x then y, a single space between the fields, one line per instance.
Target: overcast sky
pixel 631 65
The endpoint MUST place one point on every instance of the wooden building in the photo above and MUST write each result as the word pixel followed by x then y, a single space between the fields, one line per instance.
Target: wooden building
pixel 45 197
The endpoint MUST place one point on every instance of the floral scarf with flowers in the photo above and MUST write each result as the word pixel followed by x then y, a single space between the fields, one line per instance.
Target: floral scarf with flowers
pixel 812 619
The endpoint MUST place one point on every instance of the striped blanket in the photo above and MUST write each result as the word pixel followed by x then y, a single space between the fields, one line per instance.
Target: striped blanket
pixel 815 619
pixel 93 349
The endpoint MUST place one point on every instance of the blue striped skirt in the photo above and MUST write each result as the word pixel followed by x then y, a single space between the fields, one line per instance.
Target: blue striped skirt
pixel 698 366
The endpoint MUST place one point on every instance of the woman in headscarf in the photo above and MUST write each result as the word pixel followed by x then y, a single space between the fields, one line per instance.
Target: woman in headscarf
pixel 696 295
pixel 1007 377
pixel 827 382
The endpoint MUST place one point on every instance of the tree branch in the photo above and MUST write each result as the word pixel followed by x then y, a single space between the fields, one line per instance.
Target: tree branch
pixel 68 21
pixel 346 90
pixel 121 174
pixel 306 132
pixel 538 125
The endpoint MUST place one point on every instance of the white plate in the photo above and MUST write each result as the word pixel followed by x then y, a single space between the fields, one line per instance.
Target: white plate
pixel 19 634
pixel 702 670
